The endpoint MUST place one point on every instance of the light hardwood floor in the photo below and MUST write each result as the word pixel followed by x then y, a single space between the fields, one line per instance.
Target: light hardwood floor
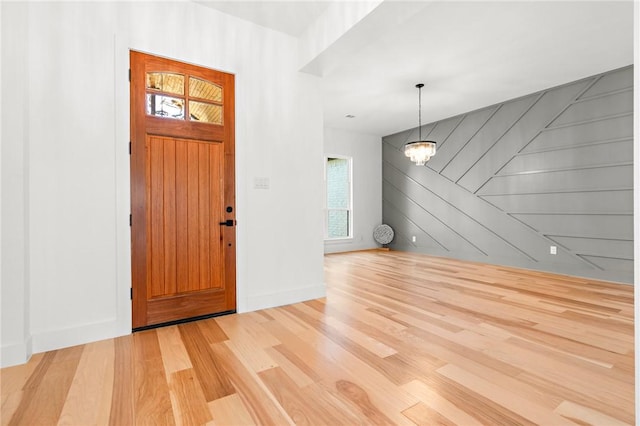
pixel 400 339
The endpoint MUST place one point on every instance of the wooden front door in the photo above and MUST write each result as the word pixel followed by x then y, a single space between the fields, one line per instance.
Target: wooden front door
pixel 182 191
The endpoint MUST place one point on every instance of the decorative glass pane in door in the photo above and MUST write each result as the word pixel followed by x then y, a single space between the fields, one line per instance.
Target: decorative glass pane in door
pixel 202 89
pixel 206 113
pixel 165 106
pixel 166 82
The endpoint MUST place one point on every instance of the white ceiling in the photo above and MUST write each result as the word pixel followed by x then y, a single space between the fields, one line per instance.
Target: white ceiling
pixel 468 54
pixel 289 16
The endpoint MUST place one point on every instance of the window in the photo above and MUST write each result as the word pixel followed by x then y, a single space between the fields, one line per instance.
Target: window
pixel 166 98
pixel 338 200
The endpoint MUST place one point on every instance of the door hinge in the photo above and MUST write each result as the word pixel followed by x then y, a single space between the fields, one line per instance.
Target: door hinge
pixel 130 220
pixel 131 293
pixel 129 74
pixel 129 147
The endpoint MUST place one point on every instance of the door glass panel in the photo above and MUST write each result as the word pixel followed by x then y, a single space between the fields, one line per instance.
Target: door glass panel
pixel 166 82
pixel 204 90
pixel 165 106
pixel 206 113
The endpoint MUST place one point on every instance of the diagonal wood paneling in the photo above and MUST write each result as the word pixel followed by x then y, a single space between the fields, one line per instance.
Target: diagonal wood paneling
pixel 484 139
pixel 592 179
pixel 607 129
pixel 469 125
pixel 616 227
pixel 409 227
pixel 611 153
pixel 611 82
pixel 591 108
pixel 526 128
pixel 510 180
pixel 443 130
pixel 617 249
pixel 412 197
pixel 474 219
pixel 602 202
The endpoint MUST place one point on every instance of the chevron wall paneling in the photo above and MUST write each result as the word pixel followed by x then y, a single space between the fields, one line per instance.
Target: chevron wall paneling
pixel 554 168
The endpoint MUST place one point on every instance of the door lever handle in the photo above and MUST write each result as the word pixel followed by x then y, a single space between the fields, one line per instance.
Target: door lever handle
pixel 228 222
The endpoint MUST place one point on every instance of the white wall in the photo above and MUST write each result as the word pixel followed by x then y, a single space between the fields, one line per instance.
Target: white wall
pixel 14 333
pixel 65 164
pixel 366 151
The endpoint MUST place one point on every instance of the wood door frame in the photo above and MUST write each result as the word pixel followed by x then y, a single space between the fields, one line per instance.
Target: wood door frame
pixel 140 125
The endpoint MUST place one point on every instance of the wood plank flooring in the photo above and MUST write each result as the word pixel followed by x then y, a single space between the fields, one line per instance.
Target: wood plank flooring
pixel 401 338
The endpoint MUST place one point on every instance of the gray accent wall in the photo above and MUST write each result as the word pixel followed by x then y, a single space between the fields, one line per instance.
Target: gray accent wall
pixel 509 181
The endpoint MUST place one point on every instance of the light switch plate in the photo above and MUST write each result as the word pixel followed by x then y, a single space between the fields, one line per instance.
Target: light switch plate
pixel 261 183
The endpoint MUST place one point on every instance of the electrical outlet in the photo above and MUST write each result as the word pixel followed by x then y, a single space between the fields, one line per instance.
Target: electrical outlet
pixel 413 239
pixel 553 250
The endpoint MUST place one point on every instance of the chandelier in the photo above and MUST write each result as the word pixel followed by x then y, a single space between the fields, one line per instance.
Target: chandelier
pixel 420 151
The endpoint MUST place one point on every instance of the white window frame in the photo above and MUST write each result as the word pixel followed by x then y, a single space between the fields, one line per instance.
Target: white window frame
pixel 349 209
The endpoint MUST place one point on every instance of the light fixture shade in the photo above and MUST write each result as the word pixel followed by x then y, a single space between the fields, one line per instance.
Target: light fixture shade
pixel 420 151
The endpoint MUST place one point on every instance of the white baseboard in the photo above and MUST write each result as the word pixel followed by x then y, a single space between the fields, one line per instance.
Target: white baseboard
pixel 338 247
pixel 271 300
pixel 64 338
pixel 19 353
pixel 15 354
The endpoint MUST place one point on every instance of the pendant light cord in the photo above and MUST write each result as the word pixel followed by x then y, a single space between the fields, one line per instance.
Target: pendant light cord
pixel 420 113
pixel 419 86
